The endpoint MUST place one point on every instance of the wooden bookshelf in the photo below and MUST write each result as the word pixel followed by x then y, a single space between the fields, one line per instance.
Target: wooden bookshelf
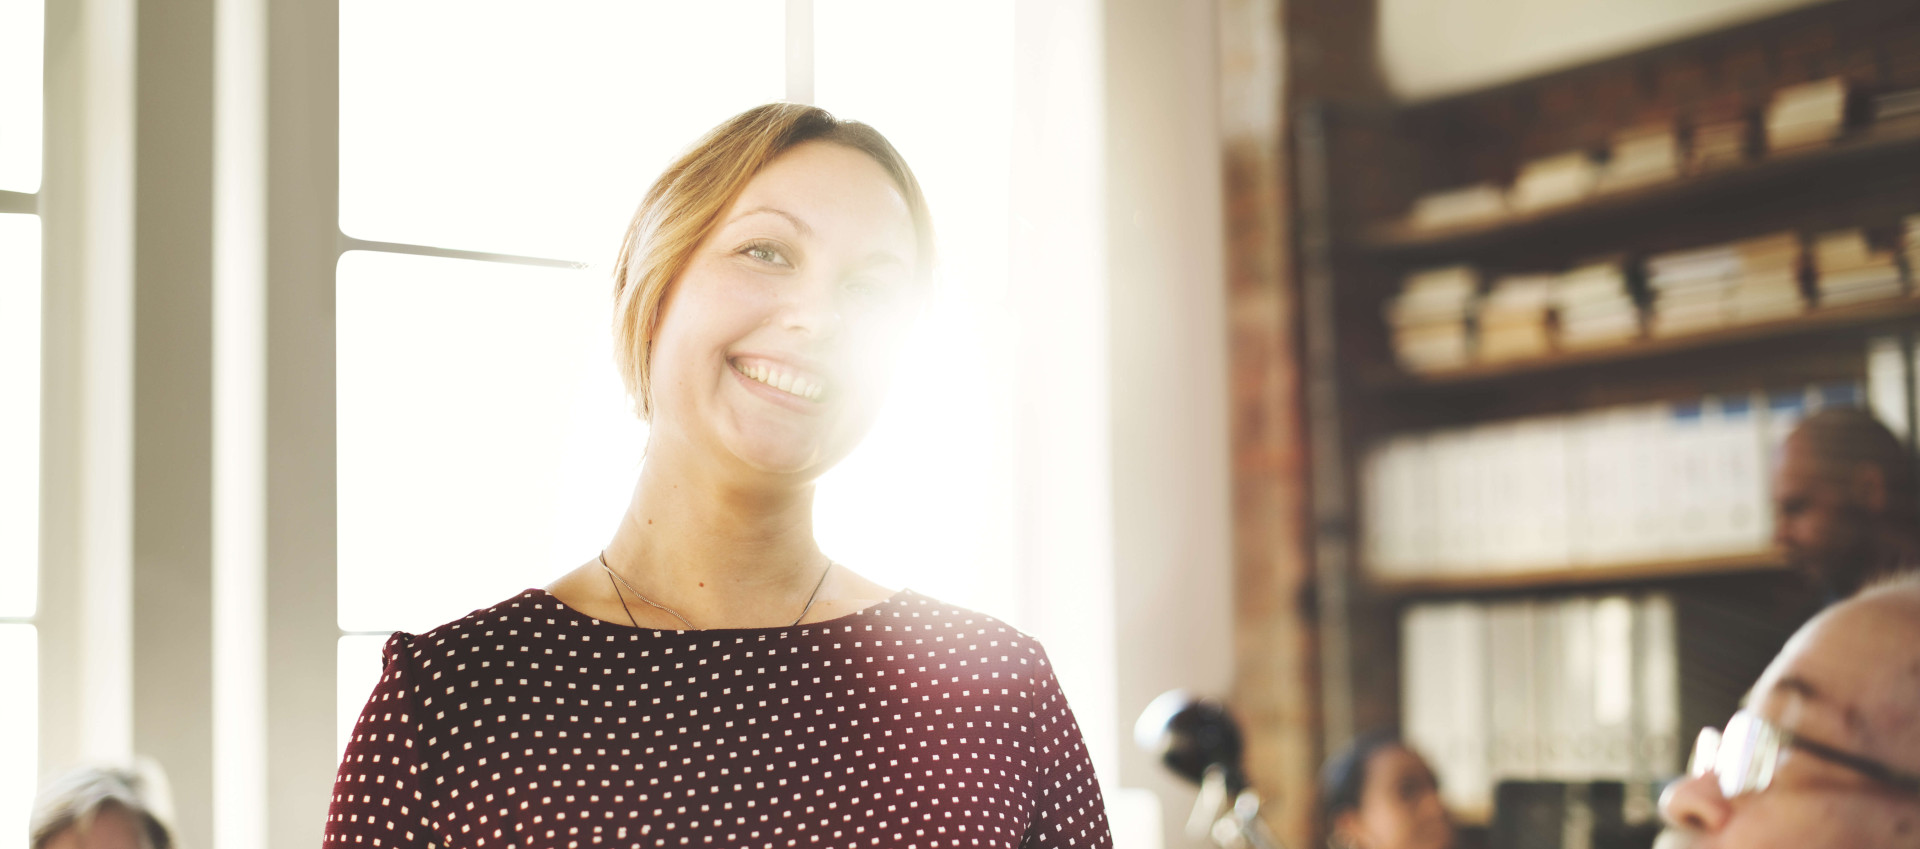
pixel 1570 577
pixel 1848 319
pixel 1861 156
pixel 1366 163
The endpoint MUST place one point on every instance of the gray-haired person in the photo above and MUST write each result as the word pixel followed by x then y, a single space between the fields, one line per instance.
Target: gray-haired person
pixel 101 808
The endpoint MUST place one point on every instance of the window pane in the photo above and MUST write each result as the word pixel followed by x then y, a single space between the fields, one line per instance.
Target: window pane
pixel 19 730
pixel 961 348
pixel 485 442
pixel 534 128
pixel 21 38
pixel 19 414
pixel 358 670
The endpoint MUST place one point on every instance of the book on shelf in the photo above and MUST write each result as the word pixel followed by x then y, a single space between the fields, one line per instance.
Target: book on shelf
pixel 1595 307
pixel 1734 283
pixel 1890 381
pixel 1514 320
pixel 1849 270
pixel 1656 686
pixel 1897 110
pixel 1806 115
pixel 1718 144
pixel 1620 485
pixel 1572 689
pixel 1910 245
pixel 1641 155
pixel 1553 181
pixel 1444 658
pixel 1476 204
pixel 1893 380
pixel 1429 318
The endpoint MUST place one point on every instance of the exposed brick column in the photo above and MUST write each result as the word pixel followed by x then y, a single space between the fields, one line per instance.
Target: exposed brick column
pixel 1274 54
pixel 1275 692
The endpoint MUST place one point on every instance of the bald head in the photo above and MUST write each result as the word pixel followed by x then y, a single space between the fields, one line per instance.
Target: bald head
pixel 1839 440
pixel 1844 500
pixel 1860 662
pixel 1849 681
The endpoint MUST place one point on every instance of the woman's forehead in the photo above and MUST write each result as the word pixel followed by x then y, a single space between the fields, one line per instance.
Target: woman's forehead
pixel 823 185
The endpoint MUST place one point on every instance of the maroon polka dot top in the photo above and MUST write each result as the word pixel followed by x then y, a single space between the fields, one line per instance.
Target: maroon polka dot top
pixel 911 723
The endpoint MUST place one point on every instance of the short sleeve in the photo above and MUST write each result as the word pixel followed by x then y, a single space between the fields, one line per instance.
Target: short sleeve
pixel 1068 810
pixel 377 801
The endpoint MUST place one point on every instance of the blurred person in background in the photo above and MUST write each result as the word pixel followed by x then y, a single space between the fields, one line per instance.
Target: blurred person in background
pixel 1844 502
pixel 1826 751
pixel 1378 794
pixel 712 677
pixel 101 808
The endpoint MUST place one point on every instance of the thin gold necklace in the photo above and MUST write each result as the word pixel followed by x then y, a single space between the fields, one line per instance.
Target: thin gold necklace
pixel 676 614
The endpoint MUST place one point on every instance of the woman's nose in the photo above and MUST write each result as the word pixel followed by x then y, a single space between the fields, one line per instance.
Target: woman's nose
pixel 813 308
pixel 1696 804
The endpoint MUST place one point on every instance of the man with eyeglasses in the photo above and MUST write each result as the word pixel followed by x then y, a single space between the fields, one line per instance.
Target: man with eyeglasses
pixel 1826 753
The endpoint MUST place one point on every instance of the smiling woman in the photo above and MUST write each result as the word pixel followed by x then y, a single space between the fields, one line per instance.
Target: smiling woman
pixel 712 676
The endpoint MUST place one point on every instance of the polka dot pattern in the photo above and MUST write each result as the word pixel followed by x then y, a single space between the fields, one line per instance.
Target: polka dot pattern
pixel 909 724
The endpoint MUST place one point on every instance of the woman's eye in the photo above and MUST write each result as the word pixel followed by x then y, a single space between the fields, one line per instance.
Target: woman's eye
pixel 766 253
pixel 871 289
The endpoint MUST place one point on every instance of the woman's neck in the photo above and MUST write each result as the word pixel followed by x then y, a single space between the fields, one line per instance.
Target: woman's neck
pixel 718 550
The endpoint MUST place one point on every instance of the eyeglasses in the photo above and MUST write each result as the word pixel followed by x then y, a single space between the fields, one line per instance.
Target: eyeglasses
pixel 1745 756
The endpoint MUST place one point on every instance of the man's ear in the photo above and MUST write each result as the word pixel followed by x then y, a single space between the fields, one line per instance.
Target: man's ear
pixel 1870 488
pixel 1346 830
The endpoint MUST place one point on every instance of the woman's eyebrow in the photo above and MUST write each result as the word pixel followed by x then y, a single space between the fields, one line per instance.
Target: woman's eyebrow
pixel 768 210
pixel 879 259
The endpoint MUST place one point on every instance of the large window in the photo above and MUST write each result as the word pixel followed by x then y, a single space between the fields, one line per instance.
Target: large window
pixel 21 38
pixel 19 517
pixel 490 159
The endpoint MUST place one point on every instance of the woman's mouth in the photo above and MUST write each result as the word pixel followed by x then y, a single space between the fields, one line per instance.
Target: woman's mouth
pixel 782 377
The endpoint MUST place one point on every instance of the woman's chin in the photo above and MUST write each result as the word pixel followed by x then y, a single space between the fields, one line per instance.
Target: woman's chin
pixel 784 457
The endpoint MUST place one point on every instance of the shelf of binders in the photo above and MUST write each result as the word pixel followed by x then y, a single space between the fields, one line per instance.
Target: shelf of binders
pixel 1868 153
pixel 1620 494
pixel 1576 577
pixel 1850 318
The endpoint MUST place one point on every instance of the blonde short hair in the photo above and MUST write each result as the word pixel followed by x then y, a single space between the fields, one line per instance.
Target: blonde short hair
pixel 76 799
pixel 686 202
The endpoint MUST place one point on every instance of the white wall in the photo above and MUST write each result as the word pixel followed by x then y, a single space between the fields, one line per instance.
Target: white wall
pixel 1172 518
pixel 1430 48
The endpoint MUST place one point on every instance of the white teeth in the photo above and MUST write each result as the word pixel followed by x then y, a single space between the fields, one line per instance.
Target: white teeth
pixel 784 381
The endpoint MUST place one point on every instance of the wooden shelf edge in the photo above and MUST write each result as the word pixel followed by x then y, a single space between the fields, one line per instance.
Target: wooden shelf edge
pixel 1398 237
pixel 1577 576
pixel 1850 316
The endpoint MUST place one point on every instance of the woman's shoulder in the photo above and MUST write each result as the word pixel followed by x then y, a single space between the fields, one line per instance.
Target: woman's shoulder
pixel 938 625
pixel 531 615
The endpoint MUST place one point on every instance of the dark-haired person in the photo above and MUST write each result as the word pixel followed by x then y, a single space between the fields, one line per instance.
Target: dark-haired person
pixel 1845 511
pixel 1378 794
pixel 712 678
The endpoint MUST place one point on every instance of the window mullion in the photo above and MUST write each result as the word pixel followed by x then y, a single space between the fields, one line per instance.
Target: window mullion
pixel 349 243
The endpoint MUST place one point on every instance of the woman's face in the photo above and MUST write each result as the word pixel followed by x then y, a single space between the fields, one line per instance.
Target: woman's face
pixel 1399 806
pixel 774 344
